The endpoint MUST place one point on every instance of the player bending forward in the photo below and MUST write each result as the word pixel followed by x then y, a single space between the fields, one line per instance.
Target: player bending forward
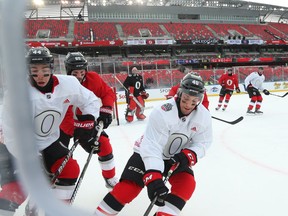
pixel 179 131
pixel 50 97
pixel 135 95
pixel 173 91
pixel 76 65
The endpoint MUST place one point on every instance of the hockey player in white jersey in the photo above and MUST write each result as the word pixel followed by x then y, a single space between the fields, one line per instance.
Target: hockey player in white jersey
pixel 254 84
pixel 50 97
pixel 179 131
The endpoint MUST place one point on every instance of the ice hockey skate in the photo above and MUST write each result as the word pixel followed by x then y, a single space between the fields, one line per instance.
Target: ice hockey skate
pixel 250 112
pixel 258 112
pixel 31 210
pixel 141 117
pixel 111 182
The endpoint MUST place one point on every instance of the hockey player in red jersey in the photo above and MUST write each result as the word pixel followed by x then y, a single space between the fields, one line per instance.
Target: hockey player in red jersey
pixel 179 131
pixel 50 97
pixel 135 96
pixel 76 65
pixel 228 82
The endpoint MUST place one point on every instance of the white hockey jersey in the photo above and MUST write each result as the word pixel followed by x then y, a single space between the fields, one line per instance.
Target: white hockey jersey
pixel 166 134
pixel 48 110
pixel 255 80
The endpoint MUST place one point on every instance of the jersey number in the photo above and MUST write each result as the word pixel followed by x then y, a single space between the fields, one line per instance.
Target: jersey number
pixel 137 85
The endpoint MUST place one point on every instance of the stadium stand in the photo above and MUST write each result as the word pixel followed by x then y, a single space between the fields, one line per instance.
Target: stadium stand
pixel 101 31
pixel 57 28
pixel 134 29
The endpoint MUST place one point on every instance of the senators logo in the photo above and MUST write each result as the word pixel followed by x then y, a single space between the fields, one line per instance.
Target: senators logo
pixel 285 85
pixel 277 85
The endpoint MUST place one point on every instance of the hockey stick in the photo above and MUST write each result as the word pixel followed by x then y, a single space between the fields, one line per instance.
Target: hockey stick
pixel 56 174
pixel 279 95
pixel 133 97
pixel 63 164
pixel 229 122
pixel 172 169
pixel 116 107
pixel 96 148
pixel 276 94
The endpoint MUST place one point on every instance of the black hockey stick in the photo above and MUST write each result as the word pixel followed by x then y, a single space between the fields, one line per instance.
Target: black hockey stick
pixel 279 95
pixel 172 169
pixel 133 97
pixel 55 175
pixel 96 148
pixel 63 164
pixel 229 122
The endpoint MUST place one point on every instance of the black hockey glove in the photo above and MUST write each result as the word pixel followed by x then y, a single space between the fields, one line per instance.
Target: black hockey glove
pixel 186 157
pixel 85 131
pixel 266 92
pixel 155 186
pixel 105 116
pixel 251 89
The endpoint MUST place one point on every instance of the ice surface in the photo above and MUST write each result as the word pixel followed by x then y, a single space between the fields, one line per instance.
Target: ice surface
pixel 245 172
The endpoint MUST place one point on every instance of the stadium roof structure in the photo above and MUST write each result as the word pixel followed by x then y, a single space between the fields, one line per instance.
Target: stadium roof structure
pixel 184 3
pixel 68 6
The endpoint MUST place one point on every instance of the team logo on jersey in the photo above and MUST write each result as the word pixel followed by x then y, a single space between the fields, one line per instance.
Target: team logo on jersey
pixel 66 101
pixel 48 96
pixel 194 129
pixel 167 107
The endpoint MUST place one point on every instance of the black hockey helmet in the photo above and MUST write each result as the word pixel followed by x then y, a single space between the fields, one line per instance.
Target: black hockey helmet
pixel 193 85
pixel 229 70
pixel 40 55
pixel 75 61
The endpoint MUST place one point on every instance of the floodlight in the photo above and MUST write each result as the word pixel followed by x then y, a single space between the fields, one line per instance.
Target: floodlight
pixel 38 2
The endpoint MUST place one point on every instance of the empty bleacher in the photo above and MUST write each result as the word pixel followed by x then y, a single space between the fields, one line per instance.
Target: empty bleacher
pixel 101 31
pixel 134 29
pixel 57 28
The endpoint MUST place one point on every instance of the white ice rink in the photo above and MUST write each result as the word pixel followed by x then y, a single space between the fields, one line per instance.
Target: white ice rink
pixel 245 172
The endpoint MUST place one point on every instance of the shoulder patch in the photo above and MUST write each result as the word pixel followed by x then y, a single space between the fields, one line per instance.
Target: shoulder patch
pixel 167 107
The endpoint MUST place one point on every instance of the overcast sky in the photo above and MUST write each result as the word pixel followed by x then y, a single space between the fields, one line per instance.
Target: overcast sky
pixel 283 3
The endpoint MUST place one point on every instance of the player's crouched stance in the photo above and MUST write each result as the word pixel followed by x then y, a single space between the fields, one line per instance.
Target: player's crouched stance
pixel 179 131
pixel 50 97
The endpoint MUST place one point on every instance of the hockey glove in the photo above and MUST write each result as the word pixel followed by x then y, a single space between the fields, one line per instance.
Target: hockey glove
pixel 155 186
pixel 85 132
pixel 105 116
pixel 144 95
pixel 238 90
pixel 186 157
pixel 168 97
pixel 266 92
pixel 250 89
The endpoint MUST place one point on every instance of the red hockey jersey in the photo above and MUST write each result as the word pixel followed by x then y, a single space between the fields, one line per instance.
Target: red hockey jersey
pixel 97 85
